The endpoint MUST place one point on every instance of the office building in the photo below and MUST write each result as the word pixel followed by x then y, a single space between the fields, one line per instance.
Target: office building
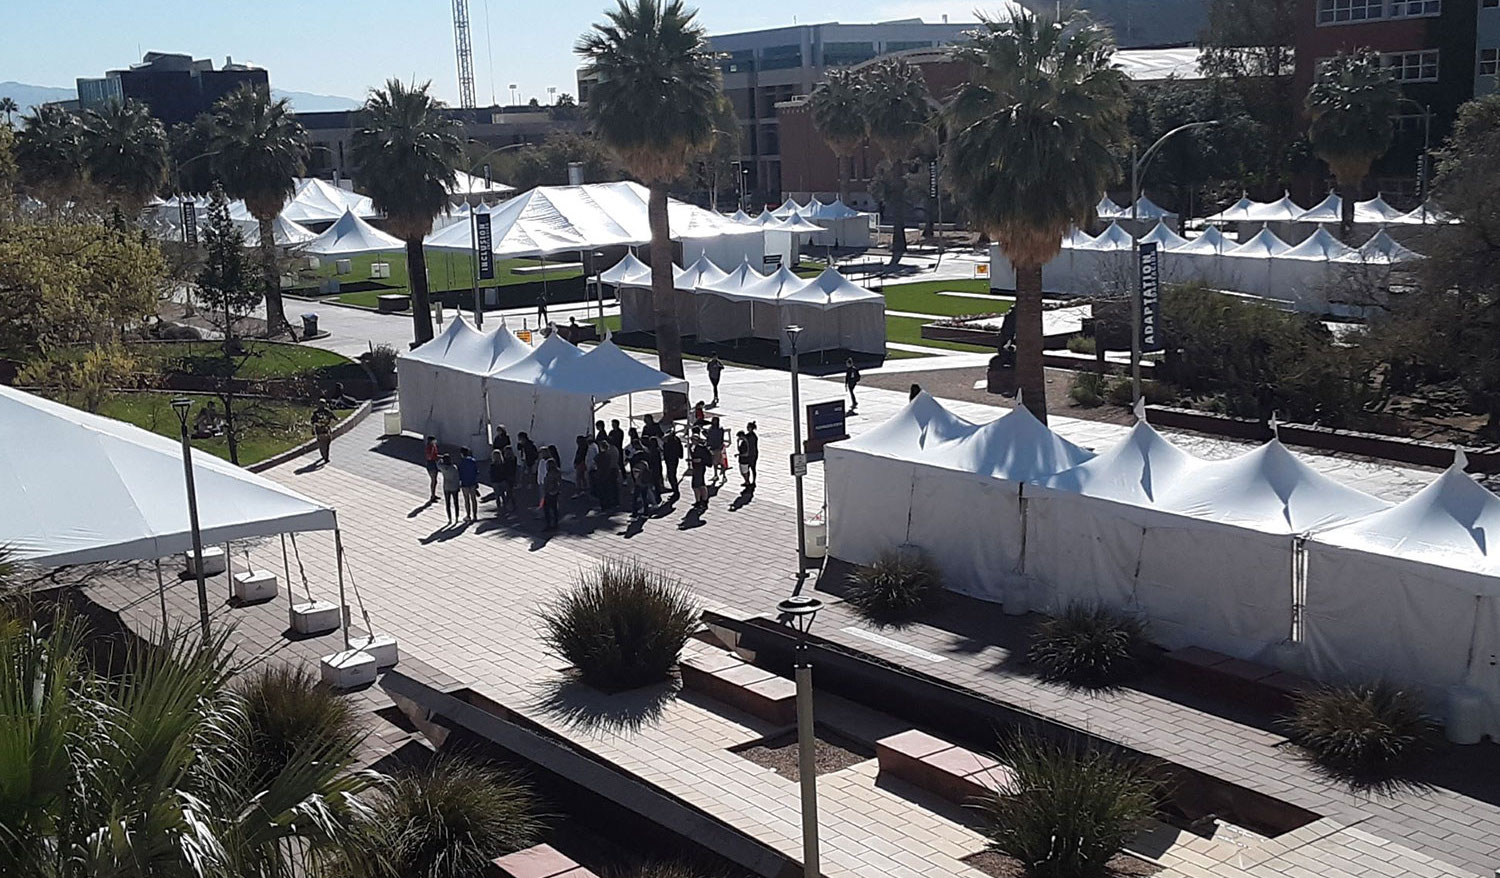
pixel 1138 23
pixel 175 87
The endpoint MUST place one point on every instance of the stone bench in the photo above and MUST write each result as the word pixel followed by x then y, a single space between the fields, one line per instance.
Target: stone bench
pixel 758 692
pixel 539 861
pixel 390 303
pixel 1219 674
pixel 928 762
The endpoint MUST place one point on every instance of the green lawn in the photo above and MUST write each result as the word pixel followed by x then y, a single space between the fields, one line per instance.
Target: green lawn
pixel 908 330
pixel 265 427
pixel 922 297
pixel 446 270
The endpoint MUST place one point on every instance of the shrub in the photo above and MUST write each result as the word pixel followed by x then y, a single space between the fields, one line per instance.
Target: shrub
pixel 622 625
pixel 1087 389
pixel 894 589
pixel 1364 732
pixel 1087 647
pixel 382 359
pixel 287 710
pixel 1081 344
pixel 1122 393
pixel 1066 809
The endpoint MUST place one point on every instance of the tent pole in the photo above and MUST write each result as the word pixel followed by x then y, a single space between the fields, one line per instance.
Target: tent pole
pixel 161 593
pixel 338 552
pixel 286 566
pixel 228 570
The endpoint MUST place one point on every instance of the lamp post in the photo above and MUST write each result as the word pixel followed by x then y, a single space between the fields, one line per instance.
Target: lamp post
pixel 181 405
pixel 799 611
pixel 1426 149
pixel 1137 171
pixel 798 459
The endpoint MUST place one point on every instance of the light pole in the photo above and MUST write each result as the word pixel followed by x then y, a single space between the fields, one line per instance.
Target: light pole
pixel 799 612
pixel 1426 149
pixel 799 460
pixel 1137 171
pixel 181 405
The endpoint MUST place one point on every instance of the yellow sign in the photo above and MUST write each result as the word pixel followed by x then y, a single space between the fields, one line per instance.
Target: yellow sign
pixel 524 335
pixel 982 270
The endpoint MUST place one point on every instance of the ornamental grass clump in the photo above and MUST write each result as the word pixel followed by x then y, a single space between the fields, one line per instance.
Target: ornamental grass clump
pixel 1066 809
pixel 622 625
pixel 896 588
pixel 1365 733
pixel 1088 647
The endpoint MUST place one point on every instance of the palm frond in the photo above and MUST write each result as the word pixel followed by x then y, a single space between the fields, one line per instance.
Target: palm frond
pixel 407 153
pixel 257 147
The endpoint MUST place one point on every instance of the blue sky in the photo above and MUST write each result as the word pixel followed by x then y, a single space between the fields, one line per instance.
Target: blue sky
pixel 343 47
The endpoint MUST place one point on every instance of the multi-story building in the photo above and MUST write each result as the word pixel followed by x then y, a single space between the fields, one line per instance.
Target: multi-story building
pixel 1138 23
pixel 1487 46
pixel 175 87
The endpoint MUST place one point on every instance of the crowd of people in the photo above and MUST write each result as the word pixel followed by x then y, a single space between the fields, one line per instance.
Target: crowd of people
pixel 611 466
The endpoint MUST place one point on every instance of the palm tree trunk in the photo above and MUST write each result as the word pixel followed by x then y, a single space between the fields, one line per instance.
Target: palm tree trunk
pixel 897 204
pixel 1348 192
pixel 663 301
pixel 844 161
pixel 416 280
pixel 275 312
pixel 1031 380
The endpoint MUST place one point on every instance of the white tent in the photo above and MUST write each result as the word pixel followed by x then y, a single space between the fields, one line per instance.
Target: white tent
pixel 316 201
pixel 1201 258
pixel 1172 270
pixel 843 225
pixel 463 213
pixel 352 236
pixel 631 279
pixel 467 187
pixel 1376 211
pixel 1282 210
pixel 1247 267
pixel 1103 264
pixel 443 382
pixel 1427 214
pixel 1329 210
pixel 1411 594
pixel 283 231
pixel 1147 209
pixel 1305 274
pixel 835 313
pixel 739 216
pixel 80 488
pixel 1106 209
pixel 1235 213
pixel 1384 250
pixel 723 304
pixel 791 208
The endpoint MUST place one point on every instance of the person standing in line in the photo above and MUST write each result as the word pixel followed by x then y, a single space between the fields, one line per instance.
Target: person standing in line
pixel 430 455
pixel 851 381
pixel 653 459
pixel 751 455
pixel 700 417
pixel 651 428
pixel 449 473
pixel 617 439
pixel 551 488
pixel 468 480
pixel 503 477
pixel 322 427
pixel 543 467
pixel 502 438
pixel 641 500
pixel 699 461
pixel 526 451
pixel 600 434
pixel 580 466
pixel 715 369
pixel 716 444
pixel 671 455
pixel 609 476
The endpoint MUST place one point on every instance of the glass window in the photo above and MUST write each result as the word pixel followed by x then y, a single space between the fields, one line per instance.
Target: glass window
pixel 1413 8
pixel 903 45
pixel 1489 4
pixel 780 57
pixel 1413 66
pixel 736 62
pixel 843 54
pixel 1338 11
pixel 1489 62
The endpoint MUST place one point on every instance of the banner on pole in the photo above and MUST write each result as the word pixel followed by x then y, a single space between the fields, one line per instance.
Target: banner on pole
pixel 1150 298
pixel 482 244
pixel 189 222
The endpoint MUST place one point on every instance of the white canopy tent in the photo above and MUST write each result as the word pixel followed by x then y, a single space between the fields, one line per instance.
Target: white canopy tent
pixel 1306 274
pixel 631 279
pixel 467 188
pixel 1235 213
pixel 352 236
pixel 1103 264
pixel 284 233
pixel 1384 250
pixel 835 313
pixel 1201 258
pixel 316 201
pixel 1173 270
pixel 1106 209
pixel 1412 594
pixel 723 305
pixel 443 382
pixel 842 225
pixel 1247 267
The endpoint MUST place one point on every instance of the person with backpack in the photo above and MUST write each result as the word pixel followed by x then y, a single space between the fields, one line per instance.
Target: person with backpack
pixel 851 381
pixel 642 500
pixel 468 482
pixel 715 369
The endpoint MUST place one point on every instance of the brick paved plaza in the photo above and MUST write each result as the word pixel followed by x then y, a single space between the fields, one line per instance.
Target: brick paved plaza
pixel 463 603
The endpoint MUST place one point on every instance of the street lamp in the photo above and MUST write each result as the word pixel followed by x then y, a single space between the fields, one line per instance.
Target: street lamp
pixel 1137 171
pixel 1426 149
pixel 799 459
pixel 181 405
pixel 799 611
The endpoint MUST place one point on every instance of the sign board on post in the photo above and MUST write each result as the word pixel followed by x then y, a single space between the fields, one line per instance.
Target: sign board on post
pixel 486 176
pixel 482 244
pixel 189 222
pixel 799 464
pixel 981 270
pixel 825 424
pixel 1150 298
pixel 771 261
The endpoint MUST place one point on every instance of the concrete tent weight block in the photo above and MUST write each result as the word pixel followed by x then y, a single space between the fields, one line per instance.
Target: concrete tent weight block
pixel 314 617
pixel 348 669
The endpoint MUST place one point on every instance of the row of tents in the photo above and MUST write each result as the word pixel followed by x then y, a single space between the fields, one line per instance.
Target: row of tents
pixel 1259 556
pixel 1311 276
pixel 718 306
pixel 466 381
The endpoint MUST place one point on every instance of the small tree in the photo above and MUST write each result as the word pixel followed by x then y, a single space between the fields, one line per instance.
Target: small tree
pixel 227 291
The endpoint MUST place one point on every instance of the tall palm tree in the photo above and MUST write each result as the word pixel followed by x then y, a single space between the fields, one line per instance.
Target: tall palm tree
pixel 9 107
pixel 897 111
pixel 49 152
pixel 257 147
pixel 838 112
pixel 125 151
pixel 407 151
pixel 1029 151
pixel 1350 106
pixel 653 104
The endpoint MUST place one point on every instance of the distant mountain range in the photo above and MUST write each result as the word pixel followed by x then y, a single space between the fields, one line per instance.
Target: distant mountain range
pixel 27 96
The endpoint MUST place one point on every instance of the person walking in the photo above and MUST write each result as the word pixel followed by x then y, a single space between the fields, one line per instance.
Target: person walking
pixel 503 477
pixel 671 455
pixel 468 481
pixel 449 473
pixel 700 459
pixel 551 486
pixel 430 455
pixel 716 444
pixel 750 455
pixel 580 466
pixel 851 381
pixel 715 369
pixel 322 427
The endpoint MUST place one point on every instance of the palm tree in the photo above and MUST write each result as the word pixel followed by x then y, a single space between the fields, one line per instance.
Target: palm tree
pixel 1350 106
pixel 125 151
pixel 49 152
pixel 406 152
pixel 838 112
pixel 653 104
pixel 9 108
pixel 1029 151
pixel 257 147
pixel 897 112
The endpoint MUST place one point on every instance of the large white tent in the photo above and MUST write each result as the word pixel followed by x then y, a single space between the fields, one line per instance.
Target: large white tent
pixel 1247 267
pixel 352 236
pixel 284 233
pixel 1306 274
pixel 81 488
pixel 842 225
pixel 631 279
pixel 1103 264
pixel 316 201
pixel 836 313
pixel 467 188
pixel 443 381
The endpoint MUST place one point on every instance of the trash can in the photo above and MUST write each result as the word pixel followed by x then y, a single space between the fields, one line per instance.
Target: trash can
pixel 393 422
pixel 815 535
pixel 309 325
